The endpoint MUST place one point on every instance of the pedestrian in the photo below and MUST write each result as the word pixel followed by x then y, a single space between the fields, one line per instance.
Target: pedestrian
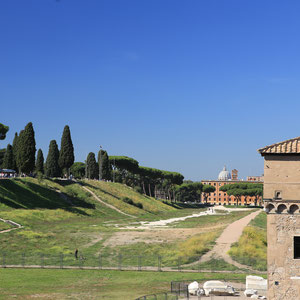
pixel 76 253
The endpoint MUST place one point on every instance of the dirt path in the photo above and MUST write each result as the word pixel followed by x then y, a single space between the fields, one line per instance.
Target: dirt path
pixel 104 203
pixel 230 235
pixel 11 223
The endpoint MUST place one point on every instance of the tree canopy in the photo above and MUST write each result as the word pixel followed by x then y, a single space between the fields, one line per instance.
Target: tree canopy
pixel 66 153
pixel 39 166
pixel 92 166
pixel 8 160
pixel 124 163
pixel 52 166
pixel 104 165
pixel 78 170
pixel 3 130
pixel 26 149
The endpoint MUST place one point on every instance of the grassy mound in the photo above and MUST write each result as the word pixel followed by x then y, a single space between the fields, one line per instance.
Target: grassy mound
pixel 251 249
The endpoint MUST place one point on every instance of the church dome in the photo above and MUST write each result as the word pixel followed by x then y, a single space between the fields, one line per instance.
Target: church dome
pixel 224 174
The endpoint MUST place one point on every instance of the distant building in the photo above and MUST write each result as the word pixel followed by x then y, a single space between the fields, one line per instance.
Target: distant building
pixel 234 174
pixel 282 204
pixel 255 178
pixel 221 198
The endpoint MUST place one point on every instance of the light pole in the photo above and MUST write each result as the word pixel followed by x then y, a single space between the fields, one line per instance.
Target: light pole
pixel 100 164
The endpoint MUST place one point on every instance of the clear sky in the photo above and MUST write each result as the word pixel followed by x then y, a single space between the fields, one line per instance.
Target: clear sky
pixel 183 86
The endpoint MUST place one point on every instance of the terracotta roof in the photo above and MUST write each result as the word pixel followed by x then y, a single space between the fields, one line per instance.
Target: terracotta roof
pixel 291 146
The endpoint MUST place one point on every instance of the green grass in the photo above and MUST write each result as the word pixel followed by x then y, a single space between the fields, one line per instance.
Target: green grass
pixel 93 284
pixel 210 220
pixel 215 265
pixel 251 249
pixel 4 226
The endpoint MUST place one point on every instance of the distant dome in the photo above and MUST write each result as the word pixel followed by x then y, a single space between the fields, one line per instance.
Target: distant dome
pixel 224 174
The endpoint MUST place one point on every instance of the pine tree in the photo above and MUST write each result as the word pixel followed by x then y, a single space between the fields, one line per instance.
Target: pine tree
pixel 26 149
pixel 8 160
pixel 3 131
pixel 104 165
pixel 15 150
pixel 39 166
pixel 66 154
pixel 92 166
pixel 52 167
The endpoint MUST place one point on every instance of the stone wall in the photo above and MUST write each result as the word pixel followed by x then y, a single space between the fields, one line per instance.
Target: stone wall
pixel 283 269
pixel 282 173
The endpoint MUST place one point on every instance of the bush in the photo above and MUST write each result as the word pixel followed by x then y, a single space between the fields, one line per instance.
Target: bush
pixel 130 202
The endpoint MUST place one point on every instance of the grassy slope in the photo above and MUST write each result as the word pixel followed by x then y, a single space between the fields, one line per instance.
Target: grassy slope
pixel 251 249
pixel 53 225
pixel 93 284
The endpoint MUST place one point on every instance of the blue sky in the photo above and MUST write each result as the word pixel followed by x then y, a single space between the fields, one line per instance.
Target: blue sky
pixel 183 86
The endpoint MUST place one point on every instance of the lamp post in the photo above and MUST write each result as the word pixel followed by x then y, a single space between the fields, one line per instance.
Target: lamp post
pixel 100 164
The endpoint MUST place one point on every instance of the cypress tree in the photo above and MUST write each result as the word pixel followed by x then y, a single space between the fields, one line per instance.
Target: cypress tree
pixel 15 150
pixel 2 153
pixel 92 166
pixel 8 160
pixel 52 167
pixel 104 165
pixel 26 149
pixel 66 154
pixel 39 166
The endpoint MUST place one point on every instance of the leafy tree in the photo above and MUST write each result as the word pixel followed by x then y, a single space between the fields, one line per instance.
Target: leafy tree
pixel 8 160
pixel 189 192
pixel 52 166
pixel 66 154
pixel 26 149
pixel 78 170
pixel 92 166
pixel 39 166
pixel 244 189
pixel 104 165
pixel 3 131
pixel 124 163
pixel 206 190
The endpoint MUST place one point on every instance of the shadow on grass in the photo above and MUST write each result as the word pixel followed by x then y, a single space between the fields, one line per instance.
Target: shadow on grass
pixel 21 194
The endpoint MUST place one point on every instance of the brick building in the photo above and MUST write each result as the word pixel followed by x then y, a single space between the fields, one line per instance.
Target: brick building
pixel 221 198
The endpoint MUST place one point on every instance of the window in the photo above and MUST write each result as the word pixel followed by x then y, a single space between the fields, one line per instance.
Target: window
pixel 296 247
pixel 278 195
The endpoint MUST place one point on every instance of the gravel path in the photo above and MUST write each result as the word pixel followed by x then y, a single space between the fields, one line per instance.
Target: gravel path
pixel 230 235
pixel 104 203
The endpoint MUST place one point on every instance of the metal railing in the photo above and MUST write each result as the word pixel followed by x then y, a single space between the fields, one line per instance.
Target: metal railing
pixel 117 262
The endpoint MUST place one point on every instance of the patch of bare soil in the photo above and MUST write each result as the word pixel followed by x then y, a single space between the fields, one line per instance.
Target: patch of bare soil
pixel 159 235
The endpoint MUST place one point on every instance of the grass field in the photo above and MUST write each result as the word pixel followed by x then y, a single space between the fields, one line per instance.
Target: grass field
pixel 93 284
pixel 59 216
pixel 251 249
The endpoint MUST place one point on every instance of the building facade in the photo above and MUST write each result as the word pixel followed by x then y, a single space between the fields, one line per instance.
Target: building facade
pixel 282 204
pixel 221 198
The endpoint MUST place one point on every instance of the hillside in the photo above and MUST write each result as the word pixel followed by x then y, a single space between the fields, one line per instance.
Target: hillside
pixel 59 216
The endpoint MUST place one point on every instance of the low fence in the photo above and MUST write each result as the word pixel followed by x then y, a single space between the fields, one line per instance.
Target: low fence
pixel 161 296
pixel 119 262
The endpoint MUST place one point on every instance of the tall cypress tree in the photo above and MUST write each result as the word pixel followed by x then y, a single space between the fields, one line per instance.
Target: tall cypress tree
pixel 15 150
pixel 39 165
pixel 26 149
pixel 52 167
pixel 66 154
pixel 92 166
pixel 8 160
pixel 104 165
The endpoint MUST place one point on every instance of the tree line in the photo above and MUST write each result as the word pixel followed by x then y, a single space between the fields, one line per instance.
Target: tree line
pixel 21 155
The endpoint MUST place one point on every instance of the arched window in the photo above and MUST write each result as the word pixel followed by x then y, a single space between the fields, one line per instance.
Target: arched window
pixel 281 208
pixel 294 209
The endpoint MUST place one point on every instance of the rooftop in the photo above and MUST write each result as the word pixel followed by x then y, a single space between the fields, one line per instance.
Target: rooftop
pixel 291 146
